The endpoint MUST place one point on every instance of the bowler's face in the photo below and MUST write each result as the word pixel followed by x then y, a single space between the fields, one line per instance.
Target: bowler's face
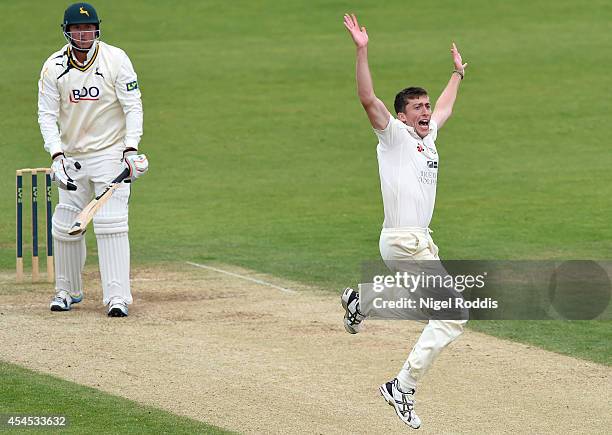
pixel 417 115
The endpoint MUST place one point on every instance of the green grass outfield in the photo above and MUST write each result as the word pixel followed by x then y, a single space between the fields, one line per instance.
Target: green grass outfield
pixel 87 410
pixel 261 155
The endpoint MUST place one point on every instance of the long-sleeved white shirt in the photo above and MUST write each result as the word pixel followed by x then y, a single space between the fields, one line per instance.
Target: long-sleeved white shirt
pixel 92 107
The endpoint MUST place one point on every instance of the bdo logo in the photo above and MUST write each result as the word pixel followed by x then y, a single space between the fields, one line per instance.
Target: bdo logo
pixel 86 94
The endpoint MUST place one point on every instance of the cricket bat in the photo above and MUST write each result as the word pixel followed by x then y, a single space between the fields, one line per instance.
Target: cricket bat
pixel 80 224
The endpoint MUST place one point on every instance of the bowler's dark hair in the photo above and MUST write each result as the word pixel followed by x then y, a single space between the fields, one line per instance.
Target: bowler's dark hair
pixel 401 99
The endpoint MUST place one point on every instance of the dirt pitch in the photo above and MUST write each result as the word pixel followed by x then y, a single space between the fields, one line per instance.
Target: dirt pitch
pixel 255 359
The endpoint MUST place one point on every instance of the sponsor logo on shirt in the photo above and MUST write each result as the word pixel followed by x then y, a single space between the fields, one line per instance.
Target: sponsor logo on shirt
pixel 131 86
pixel 91 93
pixel 428 177
pixel 432 164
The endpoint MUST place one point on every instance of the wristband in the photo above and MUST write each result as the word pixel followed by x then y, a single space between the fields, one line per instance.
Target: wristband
pixel 459 72
pixel 129 150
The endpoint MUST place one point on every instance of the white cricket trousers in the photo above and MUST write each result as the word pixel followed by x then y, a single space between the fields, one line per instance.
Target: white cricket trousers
pixel 413 243
pixel 110 225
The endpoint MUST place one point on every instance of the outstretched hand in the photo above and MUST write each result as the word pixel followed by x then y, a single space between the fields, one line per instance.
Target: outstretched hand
pixel 359 34
pixel 459 65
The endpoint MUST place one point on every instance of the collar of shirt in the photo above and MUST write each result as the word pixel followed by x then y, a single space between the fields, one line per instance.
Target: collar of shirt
pixel 90 53
pixel 413 132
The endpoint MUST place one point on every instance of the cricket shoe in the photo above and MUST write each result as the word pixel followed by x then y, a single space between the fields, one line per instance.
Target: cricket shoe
pixel 352 316
pixel 64 300
pixel 117 308
pixel 403 402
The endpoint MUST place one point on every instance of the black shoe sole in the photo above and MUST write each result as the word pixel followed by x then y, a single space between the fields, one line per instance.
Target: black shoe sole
pixel 56 308
pixel 116 312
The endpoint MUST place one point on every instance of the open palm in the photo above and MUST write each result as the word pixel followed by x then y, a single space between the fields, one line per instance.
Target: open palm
pixel 457 60
pixel 359 34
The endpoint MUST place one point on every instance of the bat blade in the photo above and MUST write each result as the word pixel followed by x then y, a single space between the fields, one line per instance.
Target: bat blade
pixel 80 224
pixel 84 218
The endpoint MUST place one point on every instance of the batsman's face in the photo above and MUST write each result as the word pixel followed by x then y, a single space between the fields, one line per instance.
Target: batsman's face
pixel 83 35
pixel 417 115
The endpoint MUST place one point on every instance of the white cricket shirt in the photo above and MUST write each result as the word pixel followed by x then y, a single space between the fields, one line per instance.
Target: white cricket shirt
pixel 96 106
pixel 408 168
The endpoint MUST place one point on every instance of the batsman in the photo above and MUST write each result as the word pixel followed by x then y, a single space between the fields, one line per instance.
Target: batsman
pixel 90 117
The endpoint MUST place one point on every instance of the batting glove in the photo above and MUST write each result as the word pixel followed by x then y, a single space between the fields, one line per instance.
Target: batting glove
pixel 59 171
pixel 136 163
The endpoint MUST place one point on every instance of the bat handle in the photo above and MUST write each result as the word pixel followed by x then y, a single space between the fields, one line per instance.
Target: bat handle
pixel 124 174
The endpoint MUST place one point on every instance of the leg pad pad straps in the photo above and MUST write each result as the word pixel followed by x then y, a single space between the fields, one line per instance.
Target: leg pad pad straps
pixel 63 218
pixel 106 225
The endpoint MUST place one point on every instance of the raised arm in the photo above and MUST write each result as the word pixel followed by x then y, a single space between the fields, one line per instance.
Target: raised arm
pixel 444 106
pixel 377 112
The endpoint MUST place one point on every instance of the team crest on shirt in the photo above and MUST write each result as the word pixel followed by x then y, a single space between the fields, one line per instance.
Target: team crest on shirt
pixel 429 152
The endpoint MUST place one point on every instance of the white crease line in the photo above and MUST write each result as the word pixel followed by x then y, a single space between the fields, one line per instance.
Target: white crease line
pixel 258 281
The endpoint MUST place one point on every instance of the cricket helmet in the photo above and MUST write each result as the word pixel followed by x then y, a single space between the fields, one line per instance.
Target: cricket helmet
pixel 80 13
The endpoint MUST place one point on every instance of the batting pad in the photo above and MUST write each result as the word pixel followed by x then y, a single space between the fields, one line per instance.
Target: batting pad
pixel 112 218
pixel 63 218
pixel 114 257
pixel 69 251
pixel 105 225
pixel 111 228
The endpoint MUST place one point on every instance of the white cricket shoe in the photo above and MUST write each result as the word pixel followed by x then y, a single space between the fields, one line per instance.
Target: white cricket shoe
pixel 352 317
pixel 403 402
pixel 117 308
pixel 64 300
